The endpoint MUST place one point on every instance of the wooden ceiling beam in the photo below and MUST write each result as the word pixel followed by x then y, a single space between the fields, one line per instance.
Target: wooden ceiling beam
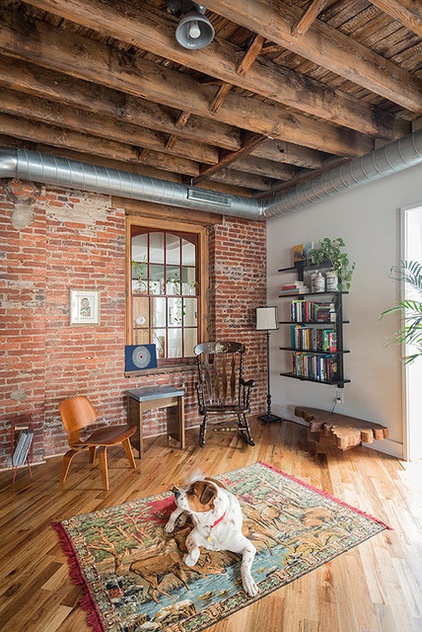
pixel 308 18
pixel 108 103
pixel 250 141
pixel 407 12
pixel 266 168
pixel 59 137
pixel 280 151
pixel 47 46
pixel 246 180
pixel 154 32
pixel 326 47
pixel 37 109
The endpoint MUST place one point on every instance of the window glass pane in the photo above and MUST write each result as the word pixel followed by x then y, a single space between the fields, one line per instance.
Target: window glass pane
pixel 140 248
pixel 140 336
pixel 156 247
pixel 158 312
pixel 188 253
pixel 159 339
pixel 188 281
pixel 190 312
pixel 175 312
pixel 175 343
pixel 190 340
pixel 173 280
pixel 172 249
pixel 156 280
pixel 140 312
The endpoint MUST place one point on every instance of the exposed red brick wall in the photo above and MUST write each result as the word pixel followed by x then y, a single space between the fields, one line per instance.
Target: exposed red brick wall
pixel 54 240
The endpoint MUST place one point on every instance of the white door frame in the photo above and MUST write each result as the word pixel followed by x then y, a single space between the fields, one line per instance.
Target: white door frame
pixel 411 250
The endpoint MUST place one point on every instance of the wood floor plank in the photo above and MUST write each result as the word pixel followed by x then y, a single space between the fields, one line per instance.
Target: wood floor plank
pixel 375 587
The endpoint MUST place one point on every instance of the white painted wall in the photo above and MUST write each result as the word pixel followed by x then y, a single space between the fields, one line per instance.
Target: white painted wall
pixel 368 219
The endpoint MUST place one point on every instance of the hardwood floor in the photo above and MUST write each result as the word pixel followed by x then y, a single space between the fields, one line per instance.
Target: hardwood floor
pixel 375 587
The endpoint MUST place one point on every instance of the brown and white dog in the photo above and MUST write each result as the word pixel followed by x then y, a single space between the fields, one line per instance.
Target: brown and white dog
pixel 217 519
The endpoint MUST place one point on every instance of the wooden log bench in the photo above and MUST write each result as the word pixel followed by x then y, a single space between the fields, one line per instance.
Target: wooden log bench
pixel 346 432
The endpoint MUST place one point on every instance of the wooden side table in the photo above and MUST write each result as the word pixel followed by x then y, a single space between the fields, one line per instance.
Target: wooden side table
pixel 140 399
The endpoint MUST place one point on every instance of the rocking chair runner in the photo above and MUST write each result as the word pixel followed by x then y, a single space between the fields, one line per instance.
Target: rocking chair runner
pixel 221 388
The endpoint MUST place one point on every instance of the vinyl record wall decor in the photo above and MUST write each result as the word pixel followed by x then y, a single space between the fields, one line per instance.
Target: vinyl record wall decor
pixel 140 357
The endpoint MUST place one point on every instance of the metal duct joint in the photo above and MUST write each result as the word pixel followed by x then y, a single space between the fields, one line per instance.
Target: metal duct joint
pixel 31 165
pixel 401 154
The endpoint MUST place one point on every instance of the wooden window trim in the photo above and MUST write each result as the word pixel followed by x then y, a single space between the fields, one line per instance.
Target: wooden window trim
pixel 177 226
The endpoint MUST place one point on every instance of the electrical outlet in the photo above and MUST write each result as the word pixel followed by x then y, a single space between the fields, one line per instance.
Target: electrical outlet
pixel 339 397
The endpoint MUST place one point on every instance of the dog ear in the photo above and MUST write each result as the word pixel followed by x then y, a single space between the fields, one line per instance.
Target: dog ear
pixel 208 493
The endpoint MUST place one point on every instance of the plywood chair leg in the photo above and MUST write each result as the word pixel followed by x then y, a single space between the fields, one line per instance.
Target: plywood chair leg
pixel 92 453
pixel 102 460
pixel 128 450
pixel 66 461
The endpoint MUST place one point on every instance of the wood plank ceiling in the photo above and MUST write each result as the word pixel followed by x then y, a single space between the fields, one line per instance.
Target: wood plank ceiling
pixel 285 90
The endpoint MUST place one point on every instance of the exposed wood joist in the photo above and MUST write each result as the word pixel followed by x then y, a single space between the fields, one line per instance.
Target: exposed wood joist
pixel 308 18
pixel 155 32
pixel 59 137
pixel 326 47
pixel 112 104
pixel 89 60
pixel 70 118
pixel 249 142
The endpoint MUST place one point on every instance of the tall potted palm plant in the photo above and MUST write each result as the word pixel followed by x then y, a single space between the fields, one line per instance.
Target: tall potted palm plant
pixel 410 308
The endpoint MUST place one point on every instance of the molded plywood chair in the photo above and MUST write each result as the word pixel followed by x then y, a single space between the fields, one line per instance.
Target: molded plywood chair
pixel 78 413
pixel 221 388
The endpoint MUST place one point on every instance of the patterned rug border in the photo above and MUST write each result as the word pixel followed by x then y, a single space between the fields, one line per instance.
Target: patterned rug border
pixel 88 604
pixel 326 495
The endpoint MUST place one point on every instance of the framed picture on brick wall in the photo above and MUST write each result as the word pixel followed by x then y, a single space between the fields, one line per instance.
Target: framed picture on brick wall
pixel 84 307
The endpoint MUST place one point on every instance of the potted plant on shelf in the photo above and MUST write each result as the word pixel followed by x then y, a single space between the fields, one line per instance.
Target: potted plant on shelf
pixel 330 252
pixel 411 308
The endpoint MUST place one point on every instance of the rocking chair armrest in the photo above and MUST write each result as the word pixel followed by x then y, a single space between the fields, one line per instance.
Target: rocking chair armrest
pixel 248 384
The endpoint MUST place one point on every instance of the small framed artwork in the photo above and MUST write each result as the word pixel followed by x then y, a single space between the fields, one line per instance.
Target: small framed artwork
pixel 84 307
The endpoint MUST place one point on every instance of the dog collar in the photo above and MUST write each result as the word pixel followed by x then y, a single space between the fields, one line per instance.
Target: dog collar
pixel 214 524
pixel 218 520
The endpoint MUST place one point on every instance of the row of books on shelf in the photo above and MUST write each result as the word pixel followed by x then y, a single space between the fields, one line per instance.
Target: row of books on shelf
pixel 311 339
pixel 321 368
pixel 302 311
pixel 23 446
pixel 294 287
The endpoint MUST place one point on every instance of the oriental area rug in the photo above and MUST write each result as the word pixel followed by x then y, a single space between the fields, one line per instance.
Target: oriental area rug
pixel 133 576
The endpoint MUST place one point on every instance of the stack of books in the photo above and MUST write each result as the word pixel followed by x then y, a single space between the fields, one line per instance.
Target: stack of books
pixel 22 447
pixel 294 287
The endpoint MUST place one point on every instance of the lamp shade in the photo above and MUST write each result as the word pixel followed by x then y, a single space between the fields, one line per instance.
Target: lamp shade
pixel 194 31
pixel 266 318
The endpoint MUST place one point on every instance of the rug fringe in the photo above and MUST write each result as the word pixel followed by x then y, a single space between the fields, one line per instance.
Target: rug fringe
pixel 327 495
pixel 86 602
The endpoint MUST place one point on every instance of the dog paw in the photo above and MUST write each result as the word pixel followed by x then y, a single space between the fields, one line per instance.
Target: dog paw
pixel 250 588
pixel 169 528
pixel 191 558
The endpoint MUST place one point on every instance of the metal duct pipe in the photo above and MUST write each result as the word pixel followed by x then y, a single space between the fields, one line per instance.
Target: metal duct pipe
pixel 396 156
pixel 38 167
pixel 389 159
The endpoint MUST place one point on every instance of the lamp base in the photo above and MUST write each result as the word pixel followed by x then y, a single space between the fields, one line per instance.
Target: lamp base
pixel 269 418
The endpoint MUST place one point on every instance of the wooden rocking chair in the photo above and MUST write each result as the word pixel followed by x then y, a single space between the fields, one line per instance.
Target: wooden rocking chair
pixel 221 388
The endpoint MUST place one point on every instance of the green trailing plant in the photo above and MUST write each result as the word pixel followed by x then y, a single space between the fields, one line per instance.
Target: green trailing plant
pixel 331 251
pixel 410 308
pixel 139 269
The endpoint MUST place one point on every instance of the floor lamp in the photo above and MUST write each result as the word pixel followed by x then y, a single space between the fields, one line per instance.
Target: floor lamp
pixel 266 320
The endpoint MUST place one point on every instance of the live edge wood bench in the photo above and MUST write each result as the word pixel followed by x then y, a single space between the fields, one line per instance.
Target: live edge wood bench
pixel 346 432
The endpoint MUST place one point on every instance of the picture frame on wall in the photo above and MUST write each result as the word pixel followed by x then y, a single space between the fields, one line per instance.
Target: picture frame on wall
pixel 84 307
